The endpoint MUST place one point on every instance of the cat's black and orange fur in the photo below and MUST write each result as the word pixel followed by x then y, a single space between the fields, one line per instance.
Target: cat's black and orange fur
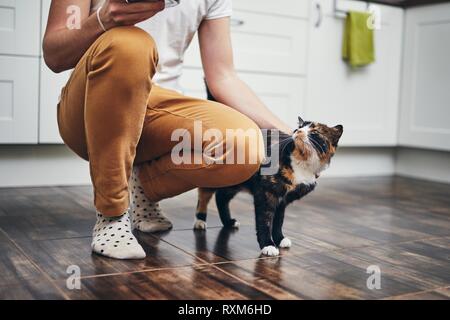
pixel 307 152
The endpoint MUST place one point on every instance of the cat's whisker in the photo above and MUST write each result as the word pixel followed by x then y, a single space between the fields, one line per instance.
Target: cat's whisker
pixel 312 142
pixel 285 143
pixel 286 139
pixel 316 144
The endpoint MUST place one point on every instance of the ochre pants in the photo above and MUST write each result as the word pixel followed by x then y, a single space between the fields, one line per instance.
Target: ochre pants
pixel 112 115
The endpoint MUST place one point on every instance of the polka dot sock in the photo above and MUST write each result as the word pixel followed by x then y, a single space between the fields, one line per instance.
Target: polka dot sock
pixel 146 216
pixel 112 237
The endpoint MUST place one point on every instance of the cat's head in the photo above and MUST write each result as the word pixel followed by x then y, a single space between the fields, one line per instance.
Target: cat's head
pixel 315 144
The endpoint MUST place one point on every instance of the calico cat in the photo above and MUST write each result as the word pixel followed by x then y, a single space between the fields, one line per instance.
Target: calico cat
pixel 303 156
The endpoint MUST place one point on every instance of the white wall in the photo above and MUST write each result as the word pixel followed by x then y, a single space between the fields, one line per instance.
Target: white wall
pixel 41 165
pixel 357 162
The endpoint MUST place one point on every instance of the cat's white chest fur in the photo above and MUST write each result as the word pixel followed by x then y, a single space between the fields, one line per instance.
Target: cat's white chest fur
pixel 305 171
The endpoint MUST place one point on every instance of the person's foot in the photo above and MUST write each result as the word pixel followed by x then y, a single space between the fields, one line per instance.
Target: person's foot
pixel 112 237
pixel 146 216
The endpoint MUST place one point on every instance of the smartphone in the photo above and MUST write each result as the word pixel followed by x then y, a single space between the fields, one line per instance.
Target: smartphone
pixel 169 3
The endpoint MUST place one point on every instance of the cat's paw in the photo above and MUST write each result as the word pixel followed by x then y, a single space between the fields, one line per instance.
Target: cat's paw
pixel 233 223
pixel 200 225
pixel 285 243
pixel 270 251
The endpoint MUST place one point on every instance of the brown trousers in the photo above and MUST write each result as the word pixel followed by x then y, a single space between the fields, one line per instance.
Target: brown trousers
pixel 112 115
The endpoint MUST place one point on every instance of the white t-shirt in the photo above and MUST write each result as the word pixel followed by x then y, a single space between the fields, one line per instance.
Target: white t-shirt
pixel 173 30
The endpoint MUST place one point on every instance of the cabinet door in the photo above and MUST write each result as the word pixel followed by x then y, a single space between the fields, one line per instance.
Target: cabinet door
pixel 263 43
pixel 51 85
pixel 365 100
pixel 425 107
pixel 19 27
pixel 283 95
pixel 19 83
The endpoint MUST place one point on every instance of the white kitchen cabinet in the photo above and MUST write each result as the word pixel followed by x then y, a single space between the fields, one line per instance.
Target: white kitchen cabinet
pixel 292 64
pixel 20 27
pixel 283 95
pixel 425 106
pixel 19 82
pixel 50 89
pixel 264 42
pixel 51 85
pixel 19 70
pixel 364 100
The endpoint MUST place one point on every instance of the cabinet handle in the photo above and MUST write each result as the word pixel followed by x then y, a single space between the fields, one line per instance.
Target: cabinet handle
pixel 236 22
pixel 319 15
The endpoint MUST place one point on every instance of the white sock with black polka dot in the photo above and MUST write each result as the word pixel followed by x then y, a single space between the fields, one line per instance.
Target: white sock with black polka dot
pixel 146 216
pixel 112 237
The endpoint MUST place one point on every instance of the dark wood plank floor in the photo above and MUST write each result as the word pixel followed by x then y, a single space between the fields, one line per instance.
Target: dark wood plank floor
pixel 401 225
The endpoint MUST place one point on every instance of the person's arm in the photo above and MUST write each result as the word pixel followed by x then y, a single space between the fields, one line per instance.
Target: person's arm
pixel 63 47
pixel 222 79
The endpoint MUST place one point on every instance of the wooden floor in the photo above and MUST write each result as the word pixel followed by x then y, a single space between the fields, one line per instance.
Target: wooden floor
pixel 398 224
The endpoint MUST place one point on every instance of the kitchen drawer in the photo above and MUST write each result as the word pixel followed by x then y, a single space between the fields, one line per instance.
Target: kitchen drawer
pixel 20 27
pixel 263 43
pixel 283 95
pixel 292 8
pixel 19 98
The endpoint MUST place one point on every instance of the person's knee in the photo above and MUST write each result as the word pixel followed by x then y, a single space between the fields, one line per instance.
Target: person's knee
pixel 130 49
pixel 131 40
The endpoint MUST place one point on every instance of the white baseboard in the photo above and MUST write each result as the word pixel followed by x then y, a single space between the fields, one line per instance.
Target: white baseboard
pixel 47 165
pixel 41 165
pixel 357 162
pixel 423 164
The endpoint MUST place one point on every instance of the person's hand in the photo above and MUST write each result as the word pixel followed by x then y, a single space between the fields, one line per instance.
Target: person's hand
pixel 115 13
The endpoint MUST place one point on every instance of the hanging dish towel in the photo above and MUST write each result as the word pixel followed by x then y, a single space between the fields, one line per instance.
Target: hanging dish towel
pixel 358 45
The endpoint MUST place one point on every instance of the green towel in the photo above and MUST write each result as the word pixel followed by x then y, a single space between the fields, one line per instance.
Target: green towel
pixel 358 45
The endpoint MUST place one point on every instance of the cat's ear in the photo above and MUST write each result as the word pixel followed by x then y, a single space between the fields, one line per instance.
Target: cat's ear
pixel 339 128
pixel 337 133
pixel 300 122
